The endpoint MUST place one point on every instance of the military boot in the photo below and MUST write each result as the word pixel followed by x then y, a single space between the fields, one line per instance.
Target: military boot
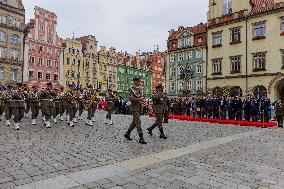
pixel 162 135
pixel 127 135
pixel 141 139
pixel 150 130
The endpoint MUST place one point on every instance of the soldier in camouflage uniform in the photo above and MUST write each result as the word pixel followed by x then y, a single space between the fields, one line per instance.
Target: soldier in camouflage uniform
pixel 71 99
pixel 91 101
pixel 2 105
pixel 57 106
pixel 158 109
pixel 47 97
pixel 33 103
pixel 110 98
pixel 7 104
pixel 81 104
pixel 135 95
pixel 62 103
pixel 17 103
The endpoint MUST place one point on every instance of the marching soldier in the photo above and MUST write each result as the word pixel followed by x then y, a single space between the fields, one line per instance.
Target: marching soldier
pixel 57 106
pixel 47 97
pixel 71 98
pixel 62 103
pixel 136 98
pixel 81 104
pixel 17 103
pixel 33 103
pixel 158 109
pixel 26 92
pixel 166 107
pixel 91 106
pixel 110 98
pixel 7 104
pixel 279 112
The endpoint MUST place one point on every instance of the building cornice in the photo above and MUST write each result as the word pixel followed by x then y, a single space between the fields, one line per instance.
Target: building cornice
pixel 244 76
pixel 11 9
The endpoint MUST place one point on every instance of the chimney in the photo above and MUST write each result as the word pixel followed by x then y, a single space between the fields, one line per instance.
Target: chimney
pixel 171 32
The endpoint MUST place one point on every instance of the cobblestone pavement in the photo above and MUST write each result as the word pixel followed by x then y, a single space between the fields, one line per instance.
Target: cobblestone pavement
pixel 196 155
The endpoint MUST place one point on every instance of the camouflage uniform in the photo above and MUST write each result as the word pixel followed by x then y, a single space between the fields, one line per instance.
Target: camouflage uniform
pixel 110 107
pixel 47 104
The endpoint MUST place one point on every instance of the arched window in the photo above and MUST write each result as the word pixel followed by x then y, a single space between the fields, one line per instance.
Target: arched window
pixel 2 36
pixel 15 39
pixel 259 91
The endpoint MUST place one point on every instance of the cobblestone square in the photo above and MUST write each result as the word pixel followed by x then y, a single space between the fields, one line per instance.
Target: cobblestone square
pixel 196 155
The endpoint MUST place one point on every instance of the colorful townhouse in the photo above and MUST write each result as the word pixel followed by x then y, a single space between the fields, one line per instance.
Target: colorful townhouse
pixel 129 66
pixel 186 61
pixel 90 60
pixel 103 83
pixel 157 62
pixel 43 51
pixel 245 48
pixel 73 69
pixel 12 22
pixel 112 69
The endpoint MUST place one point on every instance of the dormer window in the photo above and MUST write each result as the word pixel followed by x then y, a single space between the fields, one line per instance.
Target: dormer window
pixel 228 7
pixel 185 42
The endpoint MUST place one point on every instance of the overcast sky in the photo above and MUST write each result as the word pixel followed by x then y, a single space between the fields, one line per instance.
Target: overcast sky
pixel 128 25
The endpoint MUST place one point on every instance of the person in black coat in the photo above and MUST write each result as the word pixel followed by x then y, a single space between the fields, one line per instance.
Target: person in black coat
pixel 264 108
pixel 231 108
pixel 216 108
pixel 254 109
pixel 223 108
pixel 239 108
pixel 247 108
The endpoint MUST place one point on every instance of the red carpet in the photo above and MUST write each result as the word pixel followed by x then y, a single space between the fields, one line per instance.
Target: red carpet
pixel 219 121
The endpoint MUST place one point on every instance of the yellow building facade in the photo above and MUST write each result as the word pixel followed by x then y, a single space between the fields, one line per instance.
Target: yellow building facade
pixel 73 68
pixel 245 48
pixel 102 69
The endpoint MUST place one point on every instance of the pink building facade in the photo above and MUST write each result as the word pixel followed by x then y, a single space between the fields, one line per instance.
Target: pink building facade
pixel 43 51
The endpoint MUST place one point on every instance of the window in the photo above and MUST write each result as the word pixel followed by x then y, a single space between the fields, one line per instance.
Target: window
pixel 49 51
pixel 189 85
pixel 40 61
pixel 282 25
pixel 2 52
pixel 48 63
pixel 189 55
pixel 173 58
pixel 47 76
pixel 68 61
pixel 40 49
pixel 228 7
pixel 199 68
pixel 32 60
pixel 15 39
pixel 41 27
pixel 3 36
pixel 235 35
pixel 217 39
pixel 31 74
pixel 15 23
pixel 181 56
pixel 49 40
pixel 14 54
pixel 1 73
pixel 199 39
pixel 259 61
pixel 3 19
pixel 55 77
pixel 198 53
pixel 32 47
pixel 39 75
pixel 13 74
pixel 199 84
pixel 181 70
pixel 56 64
pixel 235 64
pixel 173 72
pixel 216 66
pixel 172 88
pixel 41 37
pixel 180 85
pixel 259 30
pixel 50 30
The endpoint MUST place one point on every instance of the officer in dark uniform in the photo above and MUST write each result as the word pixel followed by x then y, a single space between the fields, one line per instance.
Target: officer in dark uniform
pixel 239 108
pixel 158 109
pixel 264 109
pixel 231 108
pixel 223 108
pixel 254 109
pixel 206 107
pixel 247 108
pixel 216 108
